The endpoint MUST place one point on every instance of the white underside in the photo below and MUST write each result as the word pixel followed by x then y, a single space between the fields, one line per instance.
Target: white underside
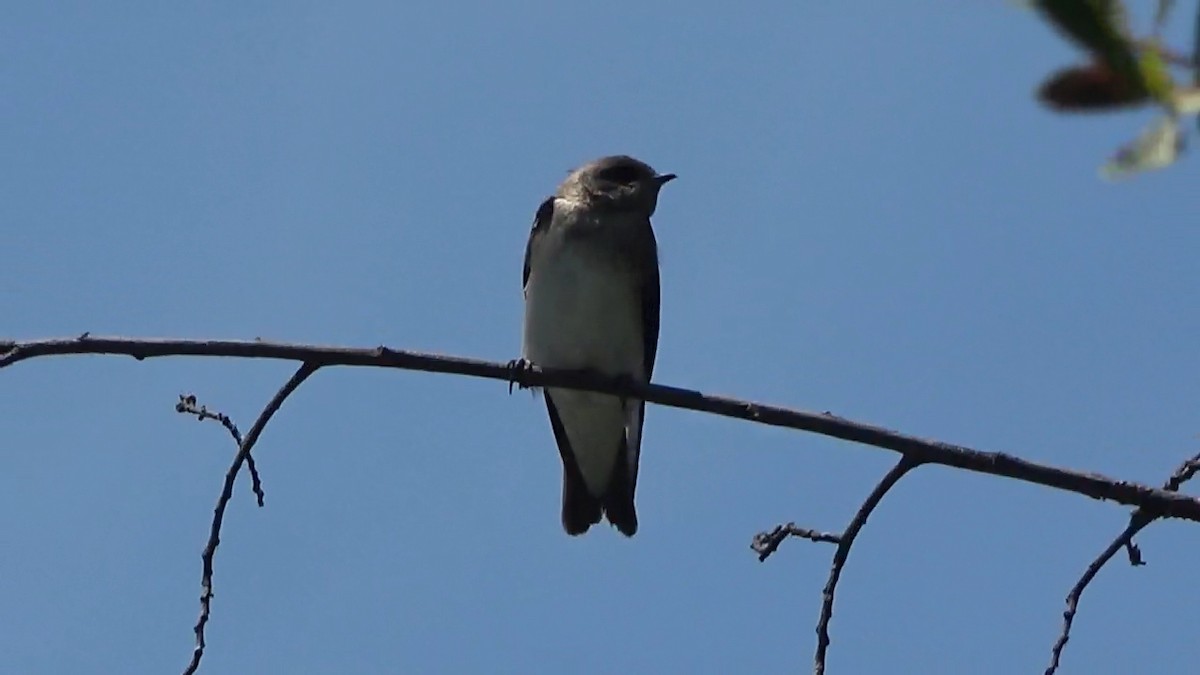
pixel 583 312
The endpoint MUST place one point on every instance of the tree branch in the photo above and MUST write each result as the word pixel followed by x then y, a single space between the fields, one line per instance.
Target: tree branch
pixel 766 543
pixel 1160 503
pixel 1138 521
pixel 906 464
pixel 187 404
pixel 214 535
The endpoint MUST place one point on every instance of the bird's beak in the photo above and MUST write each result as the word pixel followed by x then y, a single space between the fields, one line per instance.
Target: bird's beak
pixel 665 178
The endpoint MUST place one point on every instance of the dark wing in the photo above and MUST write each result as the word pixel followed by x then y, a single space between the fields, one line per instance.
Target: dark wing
pixel 651 296
pixel 647 265
pixel 650 300
pixel 541 222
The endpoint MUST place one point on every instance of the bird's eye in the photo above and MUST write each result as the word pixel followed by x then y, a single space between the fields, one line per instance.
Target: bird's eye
pixel 622 174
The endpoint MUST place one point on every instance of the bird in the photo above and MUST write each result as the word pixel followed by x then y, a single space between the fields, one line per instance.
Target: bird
pixel 591 288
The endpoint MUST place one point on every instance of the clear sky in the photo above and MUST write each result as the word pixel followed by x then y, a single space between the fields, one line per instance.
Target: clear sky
pixel 872 217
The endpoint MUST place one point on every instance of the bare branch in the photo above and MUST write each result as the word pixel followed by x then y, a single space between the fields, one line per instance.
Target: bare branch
pixel 1135 525
pixel 187 404
pixel 1160 503
pixel 1137 522
pixel 214 536
pixel 906 464
pixel 766 543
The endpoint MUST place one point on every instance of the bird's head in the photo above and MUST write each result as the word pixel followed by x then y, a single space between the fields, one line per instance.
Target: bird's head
pixel 617 181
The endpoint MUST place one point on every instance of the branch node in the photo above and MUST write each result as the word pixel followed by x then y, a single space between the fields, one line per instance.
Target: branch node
pixel 1138 521
pixel 1135 554
pixel 766 543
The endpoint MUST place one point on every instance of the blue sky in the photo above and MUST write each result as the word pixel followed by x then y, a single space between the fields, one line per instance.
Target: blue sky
pixel 873 217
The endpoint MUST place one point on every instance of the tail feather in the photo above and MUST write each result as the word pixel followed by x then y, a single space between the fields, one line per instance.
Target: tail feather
pixel 580 510
pixel 618 499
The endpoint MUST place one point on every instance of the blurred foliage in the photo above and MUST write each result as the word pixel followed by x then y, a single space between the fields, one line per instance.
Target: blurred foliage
pixel 1123 71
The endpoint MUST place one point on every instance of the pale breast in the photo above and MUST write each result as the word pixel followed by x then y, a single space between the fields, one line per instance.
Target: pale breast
pixel 582 310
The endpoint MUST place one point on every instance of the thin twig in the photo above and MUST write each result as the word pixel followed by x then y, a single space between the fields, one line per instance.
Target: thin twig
pixel 1159 502
pixel 187 404
pixel 1135 525
pixel 766 543
pixel 214 535
pixel 897 472
pixel 1138 521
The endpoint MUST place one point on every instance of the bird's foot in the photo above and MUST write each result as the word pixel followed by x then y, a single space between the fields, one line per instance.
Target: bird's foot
pixel 516 371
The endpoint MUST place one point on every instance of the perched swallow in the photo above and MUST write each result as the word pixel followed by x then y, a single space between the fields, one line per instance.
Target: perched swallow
pixel 592 303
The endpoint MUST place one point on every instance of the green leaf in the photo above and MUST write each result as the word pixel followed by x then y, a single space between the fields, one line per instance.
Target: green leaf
pixel 1101 27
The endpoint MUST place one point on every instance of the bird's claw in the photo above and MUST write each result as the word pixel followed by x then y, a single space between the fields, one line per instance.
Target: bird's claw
pixel 517 368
